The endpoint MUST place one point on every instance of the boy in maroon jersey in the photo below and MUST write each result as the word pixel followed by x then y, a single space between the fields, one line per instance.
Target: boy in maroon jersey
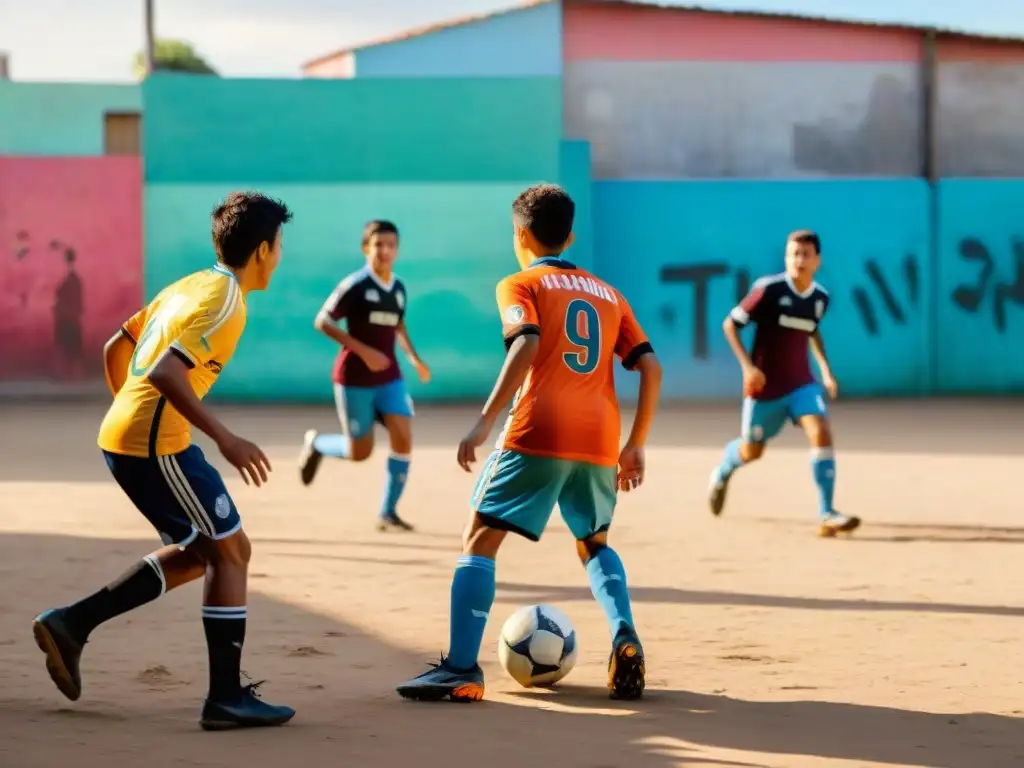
pixel 368 384
pixel 778 385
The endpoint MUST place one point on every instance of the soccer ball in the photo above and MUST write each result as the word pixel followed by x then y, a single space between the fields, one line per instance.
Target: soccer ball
pixel 538 646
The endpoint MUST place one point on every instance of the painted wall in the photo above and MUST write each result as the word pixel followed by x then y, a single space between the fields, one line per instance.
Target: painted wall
pixel 670 94
pixel 519 43
pixel 341 66
pixel 56 316
pixel 206 129
pixel 707 241
pixel 57 119
pixel 980 110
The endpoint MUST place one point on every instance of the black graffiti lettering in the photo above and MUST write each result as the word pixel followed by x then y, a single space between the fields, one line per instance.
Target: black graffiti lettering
pixel 877 280
pixel 699 275
pixel 970 297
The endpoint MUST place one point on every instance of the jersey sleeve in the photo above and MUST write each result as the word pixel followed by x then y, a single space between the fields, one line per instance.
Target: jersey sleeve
pixel 213 333
pixel 133 327
pixel 632 343
pixel 339 303
pixel 749 307
pixel 518 307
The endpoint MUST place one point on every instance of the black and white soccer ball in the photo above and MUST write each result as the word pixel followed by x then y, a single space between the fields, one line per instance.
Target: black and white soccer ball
pixel 538 646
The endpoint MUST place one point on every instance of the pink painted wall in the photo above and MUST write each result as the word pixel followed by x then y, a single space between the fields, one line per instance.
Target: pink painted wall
pixel 973 50
pixel 91 206
pixel 608 32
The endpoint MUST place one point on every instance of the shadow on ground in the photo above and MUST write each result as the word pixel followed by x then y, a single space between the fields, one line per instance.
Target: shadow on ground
pixel 144 676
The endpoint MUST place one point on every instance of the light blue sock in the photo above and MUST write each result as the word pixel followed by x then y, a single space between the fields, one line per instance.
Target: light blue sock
pixel 731 460
pixel 338 446
pixel 608 583
pixel 472 597
pixel 398 473
pixel 823 467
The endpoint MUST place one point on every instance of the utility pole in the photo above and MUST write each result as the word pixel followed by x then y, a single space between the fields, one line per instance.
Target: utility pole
pixel 150 47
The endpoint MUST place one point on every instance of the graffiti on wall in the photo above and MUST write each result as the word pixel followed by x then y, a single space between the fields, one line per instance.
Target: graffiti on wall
pixel 1000 289
pixel 70 263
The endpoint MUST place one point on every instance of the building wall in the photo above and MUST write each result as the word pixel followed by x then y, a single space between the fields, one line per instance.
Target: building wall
pixel 341 66
pixel 525 42
pixel 90 207
pixel 980 108
pixel 672 94
pixel 59 119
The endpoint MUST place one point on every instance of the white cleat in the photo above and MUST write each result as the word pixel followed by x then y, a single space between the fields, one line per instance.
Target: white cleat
pixel 835 523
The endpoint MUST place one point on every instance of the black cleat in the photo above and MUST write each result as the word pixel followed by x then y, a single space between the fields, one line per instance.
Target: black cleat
pixel 309 458
pixel 445 682
pixel 392 522
pixel 246 710
pixel 717 489
pixel 626 668
pixel 63 651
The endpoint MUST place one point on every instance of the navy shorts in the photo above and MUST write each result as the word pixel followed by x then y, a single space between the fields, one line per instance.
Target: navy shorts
pixel 182 495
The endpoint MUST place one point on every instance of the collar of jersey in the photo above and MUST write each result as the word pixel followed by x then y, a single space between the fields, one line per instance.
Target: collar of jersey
pixel 225 271
pixel 552 261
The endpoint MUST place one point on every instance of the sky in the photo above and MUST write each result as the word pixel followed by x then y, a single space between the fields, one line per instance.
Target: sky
pixel 95 40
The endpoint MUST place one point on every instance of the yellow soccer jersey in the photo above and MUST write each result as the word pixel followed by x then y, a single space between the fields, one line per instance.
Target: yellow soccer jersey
pixel 200 317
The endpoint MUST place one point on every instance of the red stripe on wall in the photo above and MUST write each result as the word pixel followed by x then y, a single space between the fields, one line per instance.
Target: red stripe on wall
pixel 952 49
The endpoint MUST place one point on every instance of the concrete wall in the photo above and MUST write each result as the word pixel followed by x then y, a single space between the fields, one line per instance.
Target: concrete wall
pixel 670 94
pixel 57 311
pixel 59 119
pixel 980 109
pixel 519 43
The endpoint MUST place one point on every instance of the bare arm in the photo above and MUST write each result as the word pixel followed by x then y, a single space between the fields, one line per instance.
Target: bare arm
pixel 170 378
pixel 329 328
pixel 818 350
pixel 520 357
pixel 647 400
pixel 406 344
pixel 117 356
pixel 732 335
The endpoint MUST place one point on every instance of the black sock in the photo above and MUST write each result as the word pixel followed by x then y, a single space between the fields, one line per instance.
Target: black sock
pixel 140 584
pixel 225 635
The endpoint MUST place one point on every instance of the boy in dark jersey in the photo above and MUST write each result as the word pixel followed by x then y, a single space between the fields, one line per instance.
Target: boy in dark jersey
pixel 368 384
pixel 778 385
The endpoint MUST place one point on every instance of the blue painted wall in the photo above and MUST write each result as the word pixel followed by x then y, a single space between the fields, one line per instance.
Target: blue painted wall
pixel 981 285
pixel 525 42
pixel 59 119
pixel 683 252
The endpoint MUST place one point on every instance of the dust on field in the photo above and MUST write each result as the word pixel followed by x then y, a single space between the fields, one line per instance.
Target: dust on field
pixel 766 645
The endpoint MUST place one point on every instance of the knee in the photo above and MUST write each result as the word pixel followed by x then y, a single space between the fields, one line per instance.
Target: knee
pixel 751 452
pixel 819 433
pixel 362 447
pixel 235 551
pixel 480 540
pixel 400 434
pixel 589 548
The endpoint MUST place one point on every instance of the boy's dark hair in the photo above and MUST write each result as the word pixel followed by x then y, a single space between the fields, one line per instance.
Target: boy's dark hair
pixel 242 222
pixel 378 227
pixel 805 237
pixel 548 212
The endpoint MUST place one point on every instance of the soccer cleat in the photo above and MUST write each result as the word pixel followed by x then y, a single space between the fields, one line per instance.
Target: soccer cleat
pixel 63 651
pixel 626 667
pixel 442 681
pixel 835 523
pixel 392 522
pixel 246 710
pixel 717 490
pixel 309 458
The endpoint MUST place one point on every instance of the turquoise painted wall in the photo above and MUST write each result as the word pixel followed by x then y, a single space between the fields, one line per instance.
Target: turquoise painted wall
pixel 208 129
pixel 522 42
pixel 981 285
pixel 59 119
pixel 683 252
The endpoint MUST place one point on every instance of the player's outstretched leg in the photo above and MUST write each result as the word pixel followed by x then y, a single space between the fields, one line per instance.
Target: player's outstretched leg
pixel 737 453
pixel 458 676
pixel 229 704
pixel 399 426
pixel 823 469
pixel 626 665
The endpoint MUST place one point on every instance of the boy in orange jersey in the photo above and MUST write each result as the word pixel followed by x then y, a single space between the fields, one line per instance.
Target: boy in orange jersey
pixel 563 329
pixel 159 367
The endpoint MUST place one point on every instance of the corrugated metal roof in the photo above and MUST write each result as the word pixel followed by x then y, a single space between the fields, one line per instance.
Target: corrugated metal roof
pixel 739 9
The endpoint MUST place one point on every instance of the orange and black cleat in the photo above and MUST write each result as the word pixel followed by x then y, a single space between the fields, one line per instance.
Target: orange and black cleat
pixel 443 681
pixel 626 668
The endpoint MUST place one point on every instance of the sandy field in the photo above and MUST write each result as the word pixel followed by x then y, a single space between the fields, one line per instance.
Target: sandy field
pixel 766 645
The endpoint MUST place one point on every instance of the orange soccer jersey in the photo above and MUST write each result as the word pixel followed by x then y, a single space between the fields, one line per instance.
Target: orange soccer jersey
pixel 567 406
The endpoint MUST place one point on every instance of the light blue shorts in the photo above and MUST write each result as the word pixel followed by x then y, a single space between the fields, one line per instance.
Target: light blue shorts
pixel 764 419
pixel 518 493
pixel 360 407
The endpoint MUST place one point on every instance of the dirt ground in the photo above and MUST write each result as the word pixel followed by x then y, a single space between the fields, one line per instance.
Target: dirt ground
pixel 766 645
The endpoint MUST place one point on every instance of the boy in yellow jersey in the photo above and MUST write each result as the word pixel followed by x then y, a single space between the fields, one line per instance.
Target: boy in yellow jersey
pixel 159 366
